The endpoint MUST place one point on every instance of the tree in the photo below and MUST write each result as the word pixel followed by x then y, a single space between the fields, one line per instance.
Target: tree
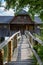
pixel 34 6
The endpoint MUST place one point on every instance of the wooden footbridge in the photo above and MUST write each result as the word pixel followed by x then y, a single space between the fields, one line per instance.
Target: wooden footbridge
pixel 18 50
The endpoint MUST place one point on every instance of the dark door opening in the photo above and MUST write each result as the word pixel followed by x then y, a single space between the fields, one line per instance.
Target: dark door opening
pixel 18 27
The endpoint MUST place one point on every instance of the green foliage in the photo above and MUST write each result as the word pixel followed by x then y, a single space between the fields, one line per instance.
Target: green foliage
pixel 41 34
pixel 35 61
pixel 39 49
pixel 5 53
pixel 34 6
pixel 41 15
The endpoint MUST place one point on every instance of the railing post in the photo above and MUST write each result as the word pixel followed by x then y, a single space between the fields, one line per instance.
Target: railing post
pixel 15 42
pixel 1 57
pixel 32 41
pixel 10 50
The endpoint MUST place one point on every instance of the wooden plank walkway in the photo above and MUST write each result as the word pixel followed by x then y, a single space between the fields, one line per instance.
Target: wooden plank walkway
pixel 22 54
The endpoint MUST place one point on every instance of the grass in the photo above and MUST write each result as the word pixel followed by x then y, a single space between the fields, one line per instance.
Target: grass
pixel 5 53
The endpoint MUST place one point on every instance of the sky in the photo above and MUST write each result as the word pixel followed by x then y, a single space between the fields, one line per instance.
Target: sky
pixel 10 12
pixel 4 12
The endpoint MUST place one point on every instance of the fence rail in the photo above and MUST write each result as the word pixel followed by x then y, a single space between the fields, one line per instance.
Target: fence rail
pixel 34 38
pixel 6 41
pixel 31 39
pixel 11 43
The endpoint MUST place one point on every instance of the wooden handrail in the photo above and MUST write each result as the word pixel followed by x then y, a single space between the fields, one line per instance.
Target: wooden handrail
pixel 6 41
pixel 31 40
pixel 35 54
pixel 35 38
pixel 10 47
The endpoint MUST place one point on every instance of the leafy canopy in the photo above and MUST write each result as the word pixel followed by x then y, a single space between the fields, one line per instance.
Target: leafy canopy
pixel 34 6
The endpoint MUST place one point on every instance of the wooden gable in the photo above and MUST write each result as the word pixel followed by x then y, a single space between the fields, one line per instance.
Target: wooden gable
pixel 21 19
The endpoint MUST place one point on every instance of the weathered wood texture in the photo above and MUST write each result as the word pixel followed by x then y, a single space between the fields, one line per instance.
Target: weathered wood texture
pixel 34 41
pixel 15 41
pixel 24 56
pixel 9 39
pixel 10 51
pixel 10 43
pixel 1 57
pixel 33 37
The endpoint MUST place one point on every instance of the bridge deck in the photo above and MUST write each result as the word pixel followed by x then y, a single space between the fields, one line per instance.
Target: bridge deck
pixel 22 54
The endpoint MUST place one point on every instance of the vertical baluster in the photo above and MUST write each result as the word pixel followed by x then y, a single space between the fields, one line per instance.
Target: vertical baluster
pixel 1 56
pixel 11 47
pixel 15 41
pixel 10 50
pixel 17 37
pixel 32 41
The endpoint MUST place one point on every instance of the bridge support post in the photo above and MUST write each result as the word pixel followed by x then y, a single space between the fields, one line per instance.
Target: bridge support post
pixel 15 42
pixel 10 50
pixel 1 57
pixel 32 42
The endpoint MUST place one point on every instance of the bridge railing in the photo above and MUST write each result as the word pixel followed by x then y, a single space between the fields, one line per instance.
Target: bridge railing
pixel 33 41
pixel 7 47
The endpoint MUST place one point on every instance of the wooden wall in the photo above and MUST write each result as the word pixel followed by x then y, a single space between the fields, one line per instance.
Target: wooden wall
pixel 4 30
pixel 21 27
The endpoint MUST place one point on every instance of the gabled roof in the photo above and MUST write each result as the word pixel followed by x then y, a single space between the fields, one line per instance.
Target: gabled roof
pixel 37 20
pixel 5 19
pixel 22 12
pixel 8 19
pixel 19 19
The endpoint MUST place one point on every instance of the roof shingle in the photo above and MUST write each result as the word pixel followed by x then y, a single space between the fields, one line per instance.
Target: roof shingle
pixel 5 19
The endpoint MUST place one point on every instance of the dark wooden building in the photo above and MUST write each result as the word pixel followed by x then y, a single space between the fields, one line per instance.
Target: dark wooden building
pixel 22 22
pixel 11 24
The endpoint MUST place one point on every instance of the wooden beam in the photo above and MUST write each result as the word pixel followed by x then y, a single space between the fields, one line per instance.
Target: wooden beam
pixel 33 37
pixel 7 41
pixel 10 51
pixel 15 41
pixel 1 56
pixel 35 54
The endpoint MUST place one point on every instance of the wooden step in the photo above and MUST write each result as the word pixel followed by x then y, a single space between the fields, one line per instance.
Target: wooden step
pixel 25 62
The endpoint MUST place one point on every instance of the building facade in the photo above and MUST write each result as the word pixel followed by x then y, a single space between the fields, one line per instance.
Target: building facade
pixel 11 24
